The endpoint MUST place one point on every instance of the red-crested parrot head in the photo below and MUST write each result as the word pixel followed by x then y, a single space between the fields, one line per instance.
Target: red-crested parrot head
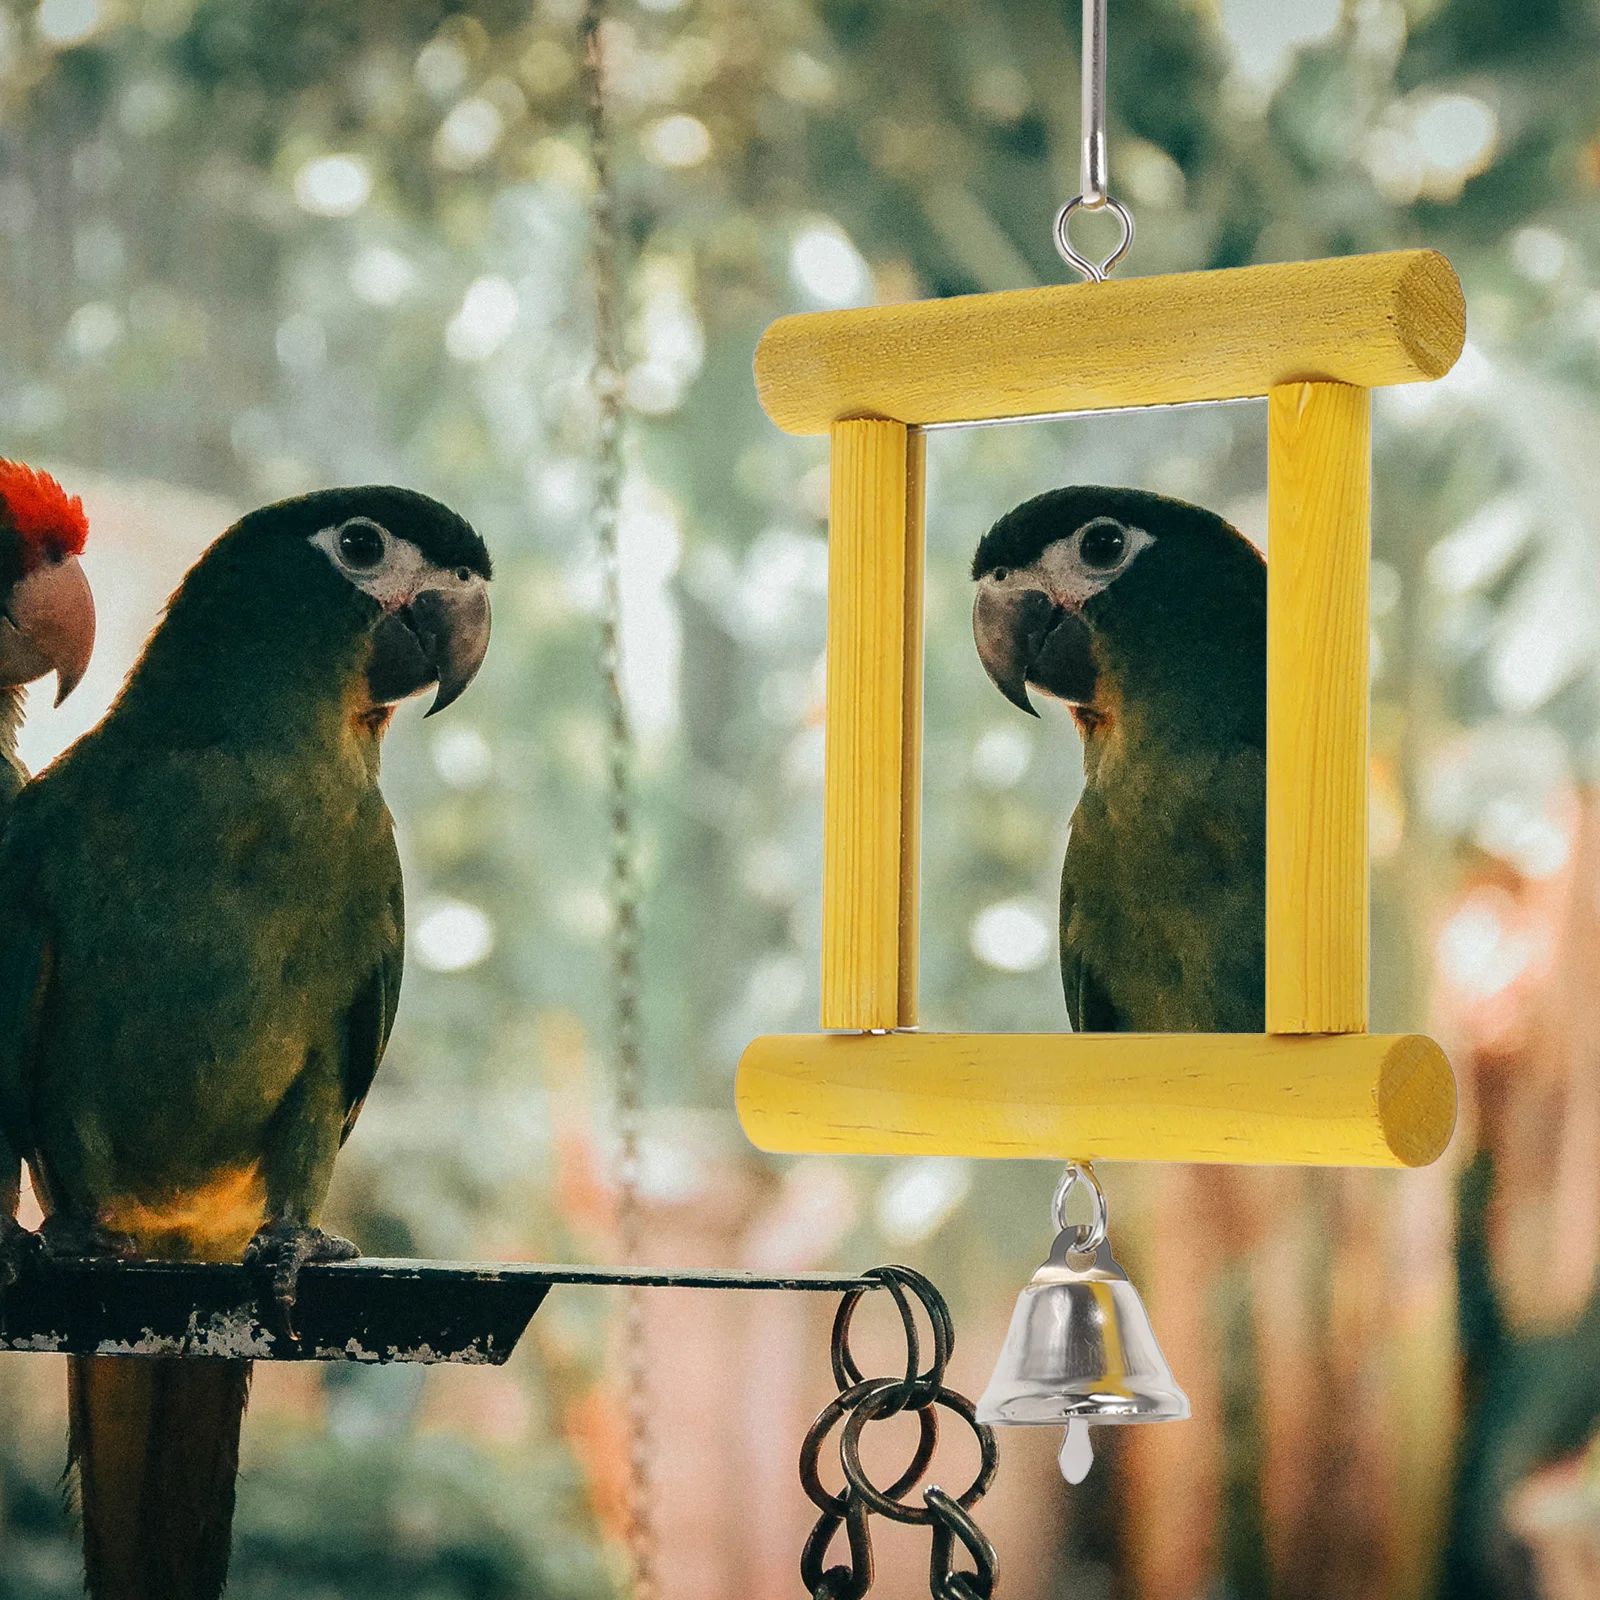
pixel 46 609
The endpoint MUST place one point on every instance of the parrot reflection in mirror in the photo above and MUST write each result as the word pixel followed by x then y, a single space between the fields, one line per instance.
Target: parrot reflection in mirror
pixel 1148 617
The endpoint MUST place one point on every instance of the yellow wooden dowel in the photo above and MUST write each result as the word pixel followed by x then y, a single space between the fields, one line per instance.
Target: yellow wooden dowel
pixel 1319 541
pixel 911 729
pixel 1366 320
pixel 1361 1100
pixel 865 760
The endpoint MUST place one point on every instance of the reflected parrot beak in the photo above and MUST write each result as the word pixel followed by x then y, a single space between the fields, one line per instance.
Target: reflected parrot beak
pixel 1024 636
pixel 48 626
pixel 441 637
pixel 1009 627
pixel 454 629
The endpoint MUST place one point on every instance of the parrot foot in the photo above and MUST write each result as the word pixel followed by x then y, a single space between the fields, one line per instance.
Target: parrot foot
pixel 69 1235
pixel 280 1249
pixel 17 1247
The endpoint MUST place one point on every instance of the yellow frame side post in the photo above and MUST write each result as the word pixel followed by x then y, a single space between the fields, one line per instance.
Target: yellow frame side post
pixel 911 726
pixel 1319 542
pixel 865 756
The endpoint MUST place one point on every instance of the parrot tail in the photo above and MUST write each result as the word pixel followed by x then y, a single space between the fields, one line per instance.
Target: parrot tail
pixel 156 1446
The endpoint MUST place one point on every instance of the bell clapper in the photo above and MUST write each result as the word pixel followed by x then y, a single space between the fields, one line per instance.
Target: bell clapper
pixel 1077 1454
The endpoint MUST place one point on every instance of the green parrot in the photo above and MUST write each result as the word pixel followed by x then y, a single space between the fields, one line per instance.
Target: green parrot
pixel 1147 616
pixel 201 936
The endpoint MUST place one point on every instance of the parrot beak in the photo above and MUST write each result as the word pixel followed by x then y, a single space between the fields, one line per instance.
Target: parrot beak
pixel 1009 627
pixel 440 637
pixel 48 626
pixel 1024 637
pixel 454 629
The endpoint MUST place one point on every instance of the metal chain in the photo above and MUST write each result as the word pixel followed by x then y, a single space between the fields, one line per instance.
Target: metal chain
pixel 624 934
pixel 862 1401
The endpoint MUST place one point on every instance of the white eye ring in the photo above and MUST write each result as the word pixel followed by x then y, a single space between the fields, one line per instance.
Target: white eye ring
pixel 360 545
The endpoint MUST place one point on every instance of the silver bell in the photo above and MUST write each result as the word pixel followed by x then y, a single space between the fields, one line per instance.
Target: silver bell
pixel 1080 1348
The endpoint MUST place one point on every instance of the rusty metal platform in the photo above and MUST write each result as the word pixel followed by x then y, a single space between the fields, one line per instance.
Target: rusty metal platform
pixel 371 1310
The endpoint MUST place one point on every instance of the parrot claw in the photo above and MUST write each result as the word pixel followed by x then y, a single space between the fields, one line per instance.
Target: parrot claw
pixel 17 1247
pixel 67 1235
pixel 280 1249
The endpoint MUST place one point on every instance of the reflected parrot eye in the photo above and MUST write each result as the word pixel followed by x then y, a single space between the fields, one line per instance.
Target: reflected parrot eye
pixel 1000 574
pixel 361 545
pixel 1102 543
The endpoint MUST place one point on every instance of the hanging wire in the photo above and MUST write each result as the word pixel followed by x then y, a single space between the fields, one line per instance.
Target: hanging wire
pixel 1092 192
pixel 624 935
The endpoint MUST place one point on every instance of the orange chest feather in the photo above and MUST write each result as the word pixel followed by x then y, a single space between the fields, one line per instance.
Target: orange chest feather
pixel 211 1223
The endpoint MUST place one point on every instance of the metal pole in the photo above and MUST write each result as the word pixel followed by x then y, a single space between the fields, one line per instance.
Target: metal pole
pixel 1092 173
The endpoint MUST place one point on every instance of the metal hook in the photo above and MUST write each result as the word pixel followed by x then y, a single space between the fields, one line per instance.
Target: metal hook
pixel 950 1522
pixel 1093 194
pixel 839 1582
pixel 1093 271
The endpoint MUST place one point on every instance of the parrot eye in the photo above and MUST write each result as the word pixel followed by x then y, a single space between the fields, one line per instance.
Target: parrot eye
pixel 1000 574
pixel 1102 543
pixel 361 544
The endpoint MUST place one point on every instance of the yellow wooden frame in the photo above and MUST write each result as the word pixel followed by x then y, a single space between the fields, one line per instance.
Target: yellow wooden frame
pixel 1314 338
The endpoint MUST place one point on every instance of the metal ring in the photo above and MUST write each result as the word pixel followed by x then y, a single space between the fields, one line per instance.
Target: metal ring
pixel 874 1497
pixel 1093 272
pixel 1091 1234
pixel 937 1312
pixel 917 1386
pixel 863 1393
